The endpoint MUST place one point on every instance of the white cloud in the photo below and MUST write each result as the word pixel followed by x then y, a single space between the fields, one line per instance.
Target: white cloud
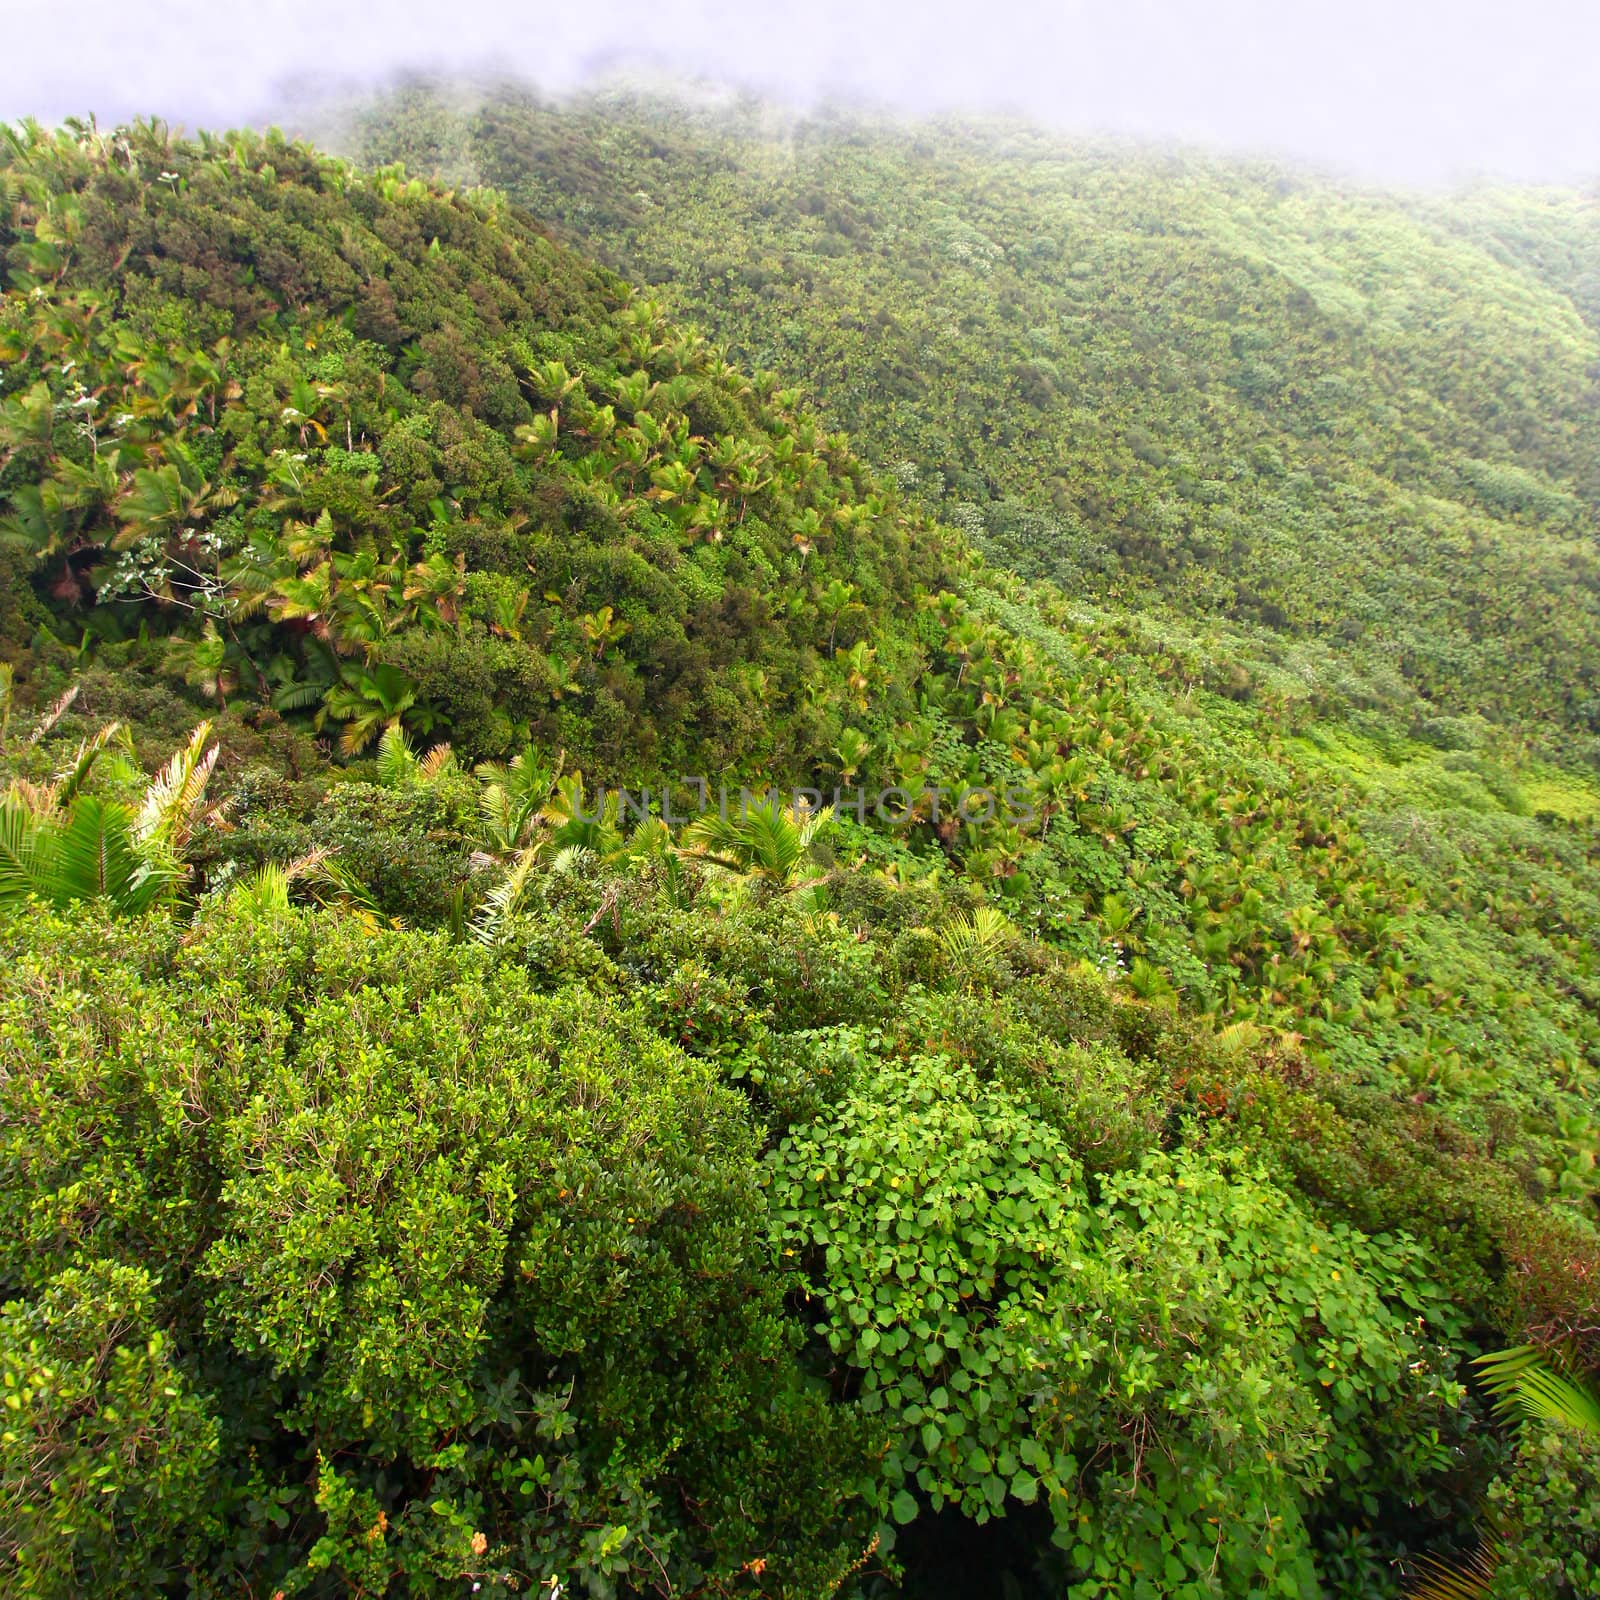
pixel 1415 89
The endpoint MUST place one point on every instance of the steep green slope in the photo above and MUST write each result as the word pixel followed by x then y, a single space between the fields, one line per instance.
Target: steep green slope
pixel 401 459
pixel 383 497
pixel 1359 432
pixel 1113 1194
pixel 1555 233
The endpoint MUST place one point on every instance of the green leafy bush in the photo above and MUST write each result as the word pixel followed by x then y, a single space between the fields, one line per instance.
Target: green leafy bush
pixel 461 1279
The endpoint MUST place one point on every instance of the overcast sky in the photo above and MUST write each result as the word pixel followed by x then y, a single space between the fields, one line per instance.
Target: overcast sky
pixel 1414 90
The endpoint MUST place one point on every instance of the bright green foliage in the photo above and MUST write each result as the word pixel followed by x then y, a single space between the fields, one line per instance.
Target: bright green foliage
pixel 1242 1357
pixel 929 1213
pixel 1551 1501
pixel 107 1456
pixel 1246 1357
pixel 465 1260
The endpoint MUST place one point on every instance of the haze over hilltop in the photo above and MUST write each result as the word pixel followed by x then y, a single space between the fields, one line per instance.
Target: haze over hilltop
pixel 1425 92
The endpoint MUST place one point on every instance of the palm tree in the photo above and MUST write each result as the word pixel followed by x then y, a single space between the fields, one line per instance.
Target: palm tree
pixel 514 796
pixel 164 499
pixel 266 892
pixel 369 700
pixel 61 845
pixel 203 663
pixel 835 600
pixel 172 802
pixel 973 943
pixel 768 843
pixel 852 749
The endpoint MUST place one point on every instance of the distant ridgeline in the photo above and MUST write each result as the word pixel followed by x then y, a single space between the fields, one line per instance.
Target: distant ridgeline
pixel 420 1176
pixel 1345 441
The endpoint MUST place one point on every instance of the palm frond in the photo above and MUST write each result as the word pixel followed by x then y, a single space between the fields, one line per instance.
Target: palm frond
pixel 267 890
pixel 766 841
pixel 24 850
pixel 332 882
pixel 573 861
pixel 263 893
pixel 1524 1384
pixel 73 779
pixel 397 760
pixel 297 696
pixel 56 712
pixel 172 802
pixel 38 799
pixel 503 901
pixel 983 931
pixel 99 854
pixel 1469 1578
pixel 438 761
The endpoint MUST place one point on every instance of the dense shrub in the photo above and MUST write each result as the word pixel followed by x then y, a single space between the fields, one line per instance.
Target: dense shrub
pixel 450 1279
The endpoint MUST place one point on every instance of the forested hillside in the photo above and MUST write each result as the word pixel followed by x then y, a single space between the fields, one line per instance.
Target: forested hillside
pixel 423 1176
pixel 1359 431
